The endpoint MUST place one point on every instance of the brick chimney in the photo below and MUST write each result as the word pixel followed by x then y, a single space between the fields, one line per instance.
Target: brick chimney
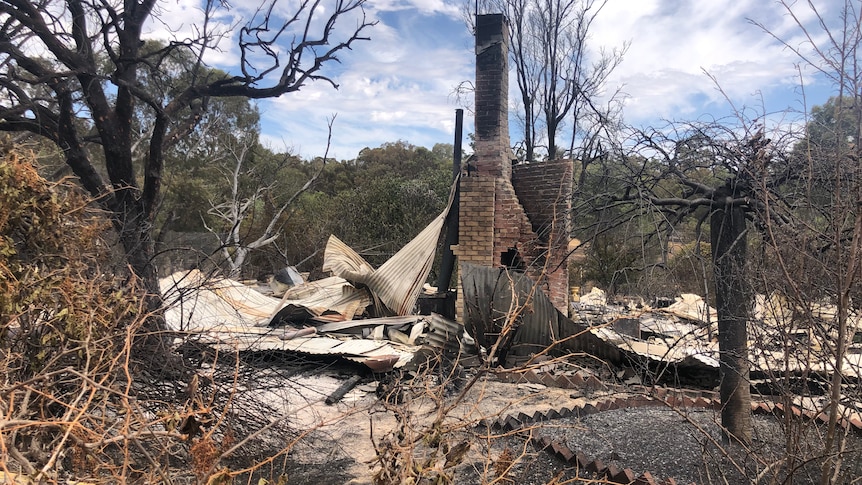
pixel 492 101
pixel 494 228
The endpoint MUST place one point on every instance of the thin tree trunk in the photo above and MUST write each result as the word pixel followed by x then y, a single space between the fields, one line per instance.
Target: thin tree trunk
pixel 729 241
pixel 552 138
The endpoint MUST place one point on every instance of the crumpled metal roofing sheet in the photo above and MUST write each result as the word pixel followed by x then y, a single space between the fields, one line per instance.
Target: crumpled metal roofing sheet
pixel 338 297
pixel 439 332
pixel 443 333
pixel 260 339
pixel 195 302
pixel 342 261
pixel 492 296
pixel 667 327
pixel 368 322
pixel 692 307
pixel 702 355
pixel 398 281
pixel 705 354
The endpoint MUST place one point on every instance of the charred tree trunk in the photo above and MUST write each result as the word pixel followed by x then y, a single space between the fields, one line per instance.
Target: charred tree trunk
pixel 136 237
pixel 729 241
pixel 134 225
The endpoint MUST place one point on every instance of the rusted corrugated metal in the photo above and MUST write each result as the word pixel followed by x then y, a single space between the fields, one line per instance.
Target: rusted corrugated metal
pixel 495 298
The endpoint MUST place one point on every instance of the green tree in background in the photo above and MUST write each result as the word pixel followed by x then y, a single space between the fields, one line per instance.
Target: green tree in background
pixel 375 203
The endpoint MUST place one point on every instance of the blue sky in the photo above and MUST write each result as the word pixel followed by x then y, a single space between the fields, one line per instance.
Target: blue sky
pixel 400 84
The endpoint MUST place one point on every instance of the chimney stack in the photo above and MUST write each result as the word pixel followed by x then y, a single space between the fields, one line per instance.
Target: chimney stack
pixel 492 103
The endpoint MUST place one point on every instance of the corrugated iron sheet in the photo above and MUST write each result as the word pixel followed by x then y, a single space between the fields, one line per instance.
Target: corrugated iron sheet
pixel 495 297
pixel 444 334
pixel 228 315
pixel 398 281
pixel 369 322
pixel 364 351
pixel 694 354
pixel 692 307
pixel 195 302
pixel 704 354
pixel 342 261
pixel 341 298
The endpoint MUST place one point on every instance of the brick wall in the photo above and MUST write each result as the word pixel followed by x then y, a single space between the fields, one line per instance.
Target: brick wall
pixel 476 221
pixel 544 190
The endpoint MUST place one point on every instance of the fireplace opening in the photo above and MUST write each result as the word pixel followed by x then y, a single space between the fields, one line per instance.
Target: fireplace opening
pixel 511 259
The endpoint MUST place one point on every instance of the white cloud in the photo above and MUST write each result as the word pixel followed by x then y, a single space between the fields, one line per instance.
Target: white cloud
pixel 400 84
pixel 183 20
pixel 673 44
pixel 425 7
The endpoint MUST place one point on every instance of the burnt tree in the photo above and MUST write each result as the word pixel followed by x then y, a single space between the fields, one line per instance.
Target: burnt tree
pixel 72 74
pixel 729 244
pixel 714 175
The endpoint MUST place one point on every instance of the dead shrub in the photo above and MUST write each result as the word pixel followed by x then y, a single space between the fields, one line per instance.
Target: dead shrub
pixel 74 403
pixel 65 323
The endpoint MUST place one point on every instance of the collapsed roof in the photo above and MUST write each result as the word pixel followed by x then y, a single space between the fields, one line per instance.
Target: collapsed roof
pixel 227 313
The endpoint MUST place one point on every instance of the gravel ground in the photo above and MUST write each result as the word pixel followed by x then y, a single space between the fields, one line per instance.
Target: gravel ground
pixel 659 440
pixel 655 439
pixel 688 446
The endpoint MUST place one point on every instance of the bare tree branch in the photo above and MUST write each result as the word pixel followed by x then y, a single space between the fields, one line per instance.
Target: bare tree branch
pixel 75 72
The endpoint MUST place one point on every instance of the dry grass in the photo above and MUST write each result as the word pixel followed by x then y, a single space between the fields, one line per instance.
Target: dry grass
pixel 77 399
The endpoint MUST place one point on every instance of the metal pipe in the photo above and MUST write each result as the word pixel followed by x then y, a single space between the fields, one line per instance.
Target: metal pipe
pixel 447 264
